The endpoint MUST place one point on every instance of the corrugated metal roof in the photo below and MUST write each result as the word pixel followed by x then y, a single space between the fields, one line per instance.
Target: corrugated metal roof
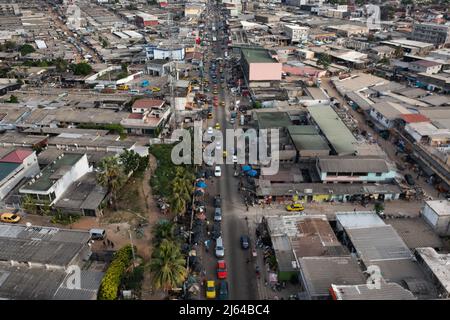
pixel 319 273
pixel 387 291
pixel 365 165
pixel 378 243
pixel 359 219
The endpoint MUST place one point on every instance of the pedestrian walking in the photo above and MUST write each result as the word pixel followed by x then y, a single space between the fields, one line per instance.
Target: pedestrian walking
pixel 118 228
pixel 112 244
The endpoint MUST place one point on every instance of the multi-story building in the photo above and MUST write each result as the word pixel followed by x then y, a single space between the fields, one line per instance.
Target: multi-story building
pixel 431 32
pixel 258 65
pixel 165 52
pixel 233 7
pixel 14 166
pixel 144 20
pixel 296 33
pixel 425 66
pixel 55 179
pixel 148 117
pixel 354 170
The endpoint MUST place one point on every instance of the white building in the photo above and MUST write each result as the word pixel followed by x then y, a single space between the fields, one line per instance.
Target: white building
pixel 296 33
pixel 56 178
pixel 437 266
pixel 437 214
pixel 14 166
pixel 168 52
pixel 431 32
pixel 428 67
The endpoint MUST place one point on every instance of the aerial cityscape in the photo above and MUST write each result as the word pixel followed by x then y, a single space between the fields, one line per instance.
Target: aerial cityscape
pixel 225 150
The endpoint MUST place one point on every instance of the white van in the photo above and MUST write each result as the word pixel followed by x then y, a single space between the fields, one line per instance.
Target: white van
pixel 220 251
pixel 97 234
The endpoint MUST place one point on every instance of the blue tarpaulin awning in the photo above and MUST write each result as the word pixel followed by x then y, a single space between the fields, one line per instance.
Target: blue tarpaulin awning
pixel 246 168
pixel 201 184
pixel 252 173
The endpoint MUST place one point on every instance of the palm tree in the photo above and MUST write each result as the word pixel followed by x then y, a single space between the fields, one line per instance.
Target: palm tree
pixel 168 266
pixel 163 230
pixel 112 177
pixel 177 203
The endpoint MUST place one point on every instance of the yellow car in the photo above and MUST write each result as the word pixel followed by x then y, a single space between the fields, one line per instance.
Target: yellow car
pixel 217 126
pixel 224 154
pixel 215 92
pixel 222 104
pixel 9 217
pixel 155 89
pixel 210 115
pixel 210 289
pixel 295 207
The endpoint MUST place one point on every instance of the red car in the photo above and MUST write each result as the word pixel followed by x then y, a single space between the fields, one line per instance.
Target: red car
pixel 216 98
pixel 216 104
pixel 221 269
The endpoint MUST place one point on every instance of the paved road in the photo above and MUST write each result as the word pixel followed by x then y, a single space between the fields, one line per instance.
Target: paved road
pixel 241 275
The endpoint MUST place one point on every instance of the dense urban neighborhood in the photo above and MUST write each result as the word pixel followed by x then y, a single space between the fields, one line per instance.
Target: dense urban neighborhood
pixel 224 150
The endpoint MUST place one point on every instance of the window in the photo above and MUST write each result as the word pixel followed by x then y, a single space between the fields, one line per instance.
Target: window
pixel 379 174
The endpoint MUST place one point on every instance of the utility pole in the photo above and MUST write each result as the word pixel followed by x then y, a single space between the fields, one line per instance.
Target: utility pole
pixel 132 248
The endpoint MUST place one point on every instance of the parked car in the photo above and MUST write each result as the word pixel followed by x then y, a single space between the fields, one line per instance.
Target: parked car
pixel 217 201
pixel 245 242
pixel 218 171
pixel 210 289
pixel 223 290
pixel 409 179
pixel 295 207
pixel 217 214
pixel 10 217
pixel 221 269
pixel 220 250
pixel 217 230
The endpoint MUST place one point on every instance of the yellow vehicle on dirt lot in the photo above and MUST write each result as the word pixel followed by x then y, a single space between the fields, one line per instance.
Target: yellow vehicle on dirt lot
pixel 295 207
pixel 123 87
pixel 155 89
pixel 9 217
pixel 217 126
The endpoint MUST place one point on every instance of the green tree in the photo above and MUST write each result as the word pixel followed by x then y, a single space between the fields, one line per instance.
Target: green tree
pixel 168 266
pixel 26 49
pixel 112 279
pixel 378 207
pixel 61 65
pixel 164 229
pixel 324 60
pixel 112 177
pixel 133 162
pixel 81 69
pixel 12 99
pixel 29 204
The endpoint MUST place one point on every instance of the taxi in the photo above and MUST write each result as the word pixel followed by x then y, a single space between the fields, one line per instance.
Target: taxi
pixel 295 207
pixel 9 217
pixel 210 289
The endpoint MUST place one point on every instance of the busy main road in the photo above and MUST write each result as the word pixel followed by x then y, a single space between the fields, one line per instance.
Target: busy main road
pixel 241 274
